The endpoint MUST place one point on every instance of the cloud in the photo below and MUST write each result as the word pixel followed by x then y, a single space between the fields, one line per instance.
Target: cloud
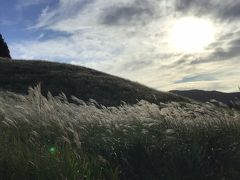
pixel 65 10
pixel 6 22
pixel 129 38
pixel 195 78
pixel 138 11
pixel 229 53
pixel 230 10
pixel 20 5
pixel 73 15
pixel 223 10
pixel 195 6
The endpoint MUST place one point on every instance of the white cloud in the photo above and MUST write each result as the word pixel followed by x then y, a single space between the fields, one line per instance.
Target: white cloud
pixel 21 4
pixel 138 51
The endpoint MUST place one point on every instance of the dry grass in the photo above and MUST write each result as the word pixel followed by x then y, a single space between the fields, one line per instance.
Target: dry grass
pixel 50 138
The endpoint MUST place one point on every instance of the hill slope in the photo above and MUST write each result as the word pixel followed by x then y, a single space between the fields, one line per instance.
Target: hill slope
pixel 204 96
pixel 17 75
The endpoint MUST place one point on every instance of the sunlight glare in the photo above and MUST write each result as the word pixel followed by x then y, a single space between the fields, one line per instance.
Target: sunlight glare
pixel 191 35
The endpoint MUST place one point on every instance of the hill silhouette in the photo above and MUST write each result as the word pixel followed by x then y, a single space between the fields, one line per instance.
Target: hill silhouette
pixel 206 96
pixel 84 83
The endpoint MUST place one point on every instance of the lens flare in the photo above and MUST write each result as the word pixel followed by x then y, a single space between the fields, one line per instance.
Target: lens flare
pixel 52 150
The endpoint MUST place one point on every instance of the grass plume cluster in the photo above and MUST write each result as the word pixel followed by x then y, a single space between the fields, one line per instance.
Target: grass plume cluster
pixel 50 138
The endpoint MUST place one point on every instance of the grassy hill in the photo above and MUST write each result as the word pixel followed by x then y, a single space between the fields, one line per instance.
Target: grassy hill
pixel 206 96
pixel 84 83
pixel 50 138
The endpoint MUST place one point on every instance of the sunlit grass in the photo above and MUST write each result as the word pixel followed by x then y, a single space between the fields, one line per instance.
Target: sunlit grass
pixel 50 138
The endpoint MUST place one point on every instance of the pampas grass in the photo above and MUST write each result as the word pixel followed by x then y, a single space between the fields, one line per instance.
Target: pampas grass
pixel 50 138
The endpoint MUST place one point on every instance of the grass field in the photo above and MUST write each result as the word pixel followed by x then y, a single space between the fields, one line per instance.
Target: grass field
pixel 50 138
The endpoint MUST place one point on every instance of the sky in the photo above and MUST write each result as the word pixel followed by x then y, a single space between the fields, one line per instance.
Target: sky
pixel 164 44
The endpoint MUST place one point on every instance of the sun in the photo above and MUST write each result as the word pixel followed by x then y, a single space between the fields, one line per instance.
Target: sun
pixel 191 35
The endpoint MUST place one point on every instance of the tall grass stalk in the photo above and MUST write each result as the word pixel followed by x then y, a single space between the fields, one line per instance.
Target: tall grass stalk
pixel 50 138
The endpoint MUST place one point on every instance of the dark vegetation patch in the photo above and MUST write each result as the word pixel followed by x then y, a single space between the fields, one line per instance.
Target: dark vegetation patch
pixel 4 51
pixel 84 83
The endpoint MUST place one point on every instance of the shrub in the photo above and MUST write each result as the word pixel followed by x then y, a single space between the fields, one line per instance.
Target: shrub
pixel 4 51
